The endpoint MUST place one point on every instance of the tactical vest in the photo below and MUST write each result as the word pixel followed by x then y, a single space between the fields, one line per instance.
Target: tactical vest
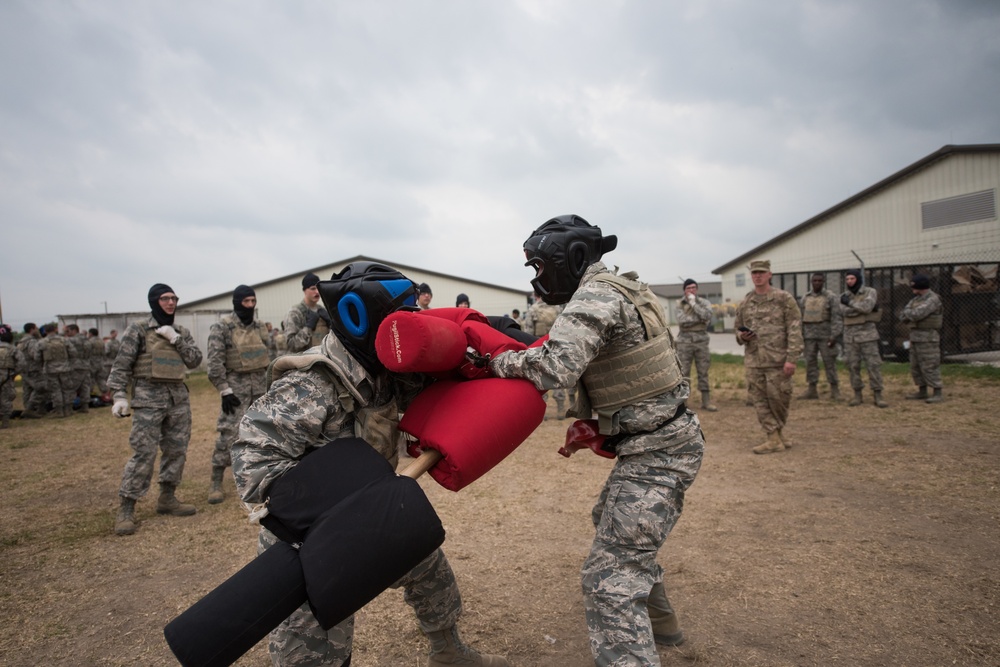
pixel 376 425
pixel 249 350
pixel 874 316
pixel 54 350
pixel 96 347
pixel 816 308
pixel 649 369
pixel 934 321
pixel 545 317
pixel 7 357
pixel 161 361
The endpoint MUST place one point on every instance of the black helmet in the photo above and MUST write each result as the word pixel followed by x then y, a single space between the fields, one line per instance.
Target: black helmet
pixel 358 299
pixel 560 251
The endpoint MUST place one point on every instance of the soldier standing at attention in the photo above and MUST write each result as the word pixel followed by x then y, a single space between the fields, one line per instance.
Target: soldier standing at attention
pixel 859 306
pixel 237 363
pixel 153 358
pixel 769 325
pixel 924 313
pixel 307 323
pixel 611 327
pixel 694 314
pixel 57 356
pixel 822 324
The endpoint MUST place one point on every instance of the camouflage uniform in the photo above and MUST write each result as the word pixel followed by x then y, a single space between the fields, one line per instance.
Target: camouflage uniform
pixel 57 354
pixel 823 309
pixel 692 339
pixel 226 372
pixel 925 343
pixel 861 338
pixel 98 377
pixel 299 337
pixel 538 322
pixel 111 347
pixel 775 318
pixel 82 376
pixel 304 409
pixel 10 359
pixel 659 447
pixel 161 411
pixel 34 389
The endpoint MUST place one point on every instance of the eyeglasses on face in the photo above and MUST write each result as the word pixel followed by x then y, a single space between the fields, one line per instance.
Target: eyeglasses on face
pixel 168 299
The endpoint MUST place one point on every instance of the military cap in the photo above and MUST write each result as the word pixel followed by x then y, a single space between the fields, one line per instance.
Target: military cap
pixel 760 265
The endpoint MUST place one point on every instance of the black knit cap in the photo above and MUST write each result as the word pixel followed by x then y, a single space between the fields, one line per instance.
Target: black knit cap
pixel 920 281
pixel 424 288
pixel 462 298
pixel 309 280
pixel 690 281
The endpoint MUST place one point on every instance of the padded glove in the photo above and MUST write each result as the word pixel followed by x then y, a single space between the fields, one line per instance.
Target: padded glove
pixel 691 299
pixel 169 333
pixel 229 402
pixel 120 408
pixel 312 319
pixel 845 299
pixel 325 316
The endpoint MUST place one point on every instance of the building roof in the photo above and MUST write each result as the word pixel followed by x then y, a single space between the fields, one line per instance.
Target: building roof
pixel 676 290
pixel 940 154
pixel 403 268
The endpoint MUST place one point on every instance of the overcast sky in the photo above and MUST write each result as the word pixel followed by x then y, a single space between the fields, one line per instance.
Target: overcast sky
pixel 208 144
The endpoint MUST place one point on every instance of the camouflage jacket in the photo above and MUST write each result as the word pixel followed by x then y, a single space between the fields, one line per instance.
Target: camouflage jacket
pixel 693 320
pixel 10 361
pixel 111 348
pixel 146 392
pixel 830 328
pixel 539 318
pixel 82 361
pixel 30 361
pixel 920 307
pixel 96 346
pixel 305 409
pixel 220 339
pixel 861 303
pixel 776 320
pixel 299 337
pixel 598 318
pixel 54 340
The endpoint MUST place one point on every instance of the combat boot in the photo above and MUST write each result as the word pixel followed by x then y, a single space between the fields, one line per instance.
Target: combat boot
pixel 878 400
pixel 785 440
pixel 919 395
pixel 937 397
pixel 772 444
pixel 706 402
pixel 834 392
pixel 168 503
pixel 215 494
pixel 30 414
pixel 448 649
pixel 125 521
pixel 857 400
pixel 811 393
pixel 666 629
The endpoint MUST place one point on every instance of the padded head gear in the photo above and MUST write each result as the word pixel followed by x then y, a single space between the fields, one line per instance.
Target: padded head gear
pixel 560 252
pixel 358 299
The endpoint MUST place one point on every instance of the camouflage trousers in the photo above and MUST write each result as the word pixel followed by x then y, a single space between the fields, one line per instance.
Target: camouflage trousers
pixel 7 395
pixel 429 588
pixel 699 354
pixel 925 364
pixel 99 379
pixel 82 381
pixel 814 349
pixel 63 391
pixel 565 398
pixel 168 428
pixel 34 392
pixel 638 507
pixel 771 392
pixel 867 352
pixel 228 427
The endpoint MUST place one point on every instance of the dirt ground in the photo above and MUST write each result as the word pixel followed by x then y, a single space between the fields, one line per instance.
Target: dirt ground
pixel 872 542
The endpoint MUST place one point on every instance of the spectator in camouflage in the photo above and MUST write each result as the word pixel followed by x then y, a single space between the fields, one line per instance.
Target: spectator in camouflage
pixel 57 355
pixel 598 337
pixel 769 325
pixel 307 322
pixel 859 308
pixel 694 314
pixel 81 367
pixel 152 359
pixel 10 359
pixel 34 389
pixel 924 313
pixel 822 325
pixel 97 376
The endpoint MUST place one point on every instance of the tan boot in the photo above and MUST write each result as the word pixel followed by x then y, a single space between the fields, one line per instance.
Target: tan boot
pixel 936 398
pixel 215 494
pixel 168 503
pixel 857 400
pixel 125 521
pixel 785 440
pixel 834 392
pixel 448 649
pixel 666 629
pixel 811 393
pixel 878 400
pixel 706 402
pixel 772 444
pixel 919 395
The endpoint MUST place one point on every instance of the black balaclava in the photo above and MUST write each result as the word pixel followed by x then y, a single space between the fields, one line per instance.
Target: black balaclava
pixel 859 282
pixel 245 314
pixel 155 292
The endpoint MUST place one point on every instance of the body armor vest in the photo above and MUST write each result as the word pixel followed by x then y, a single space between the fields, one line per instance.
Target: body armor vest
pixel 816 308
pixel 249 350
pixel 7 357
pixel 55 350
pixel 617 379
pixel 874 316
pixel 930 322
pixel 160 362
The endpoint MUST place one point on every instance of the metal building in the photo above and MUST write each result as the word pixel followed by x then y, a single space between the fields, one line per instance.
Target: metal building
pixel 937 216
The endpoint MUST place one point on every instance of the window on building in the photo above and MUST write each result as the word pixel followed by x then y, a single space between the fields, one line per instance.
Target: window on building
pixel 975 207
pixel 741 279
